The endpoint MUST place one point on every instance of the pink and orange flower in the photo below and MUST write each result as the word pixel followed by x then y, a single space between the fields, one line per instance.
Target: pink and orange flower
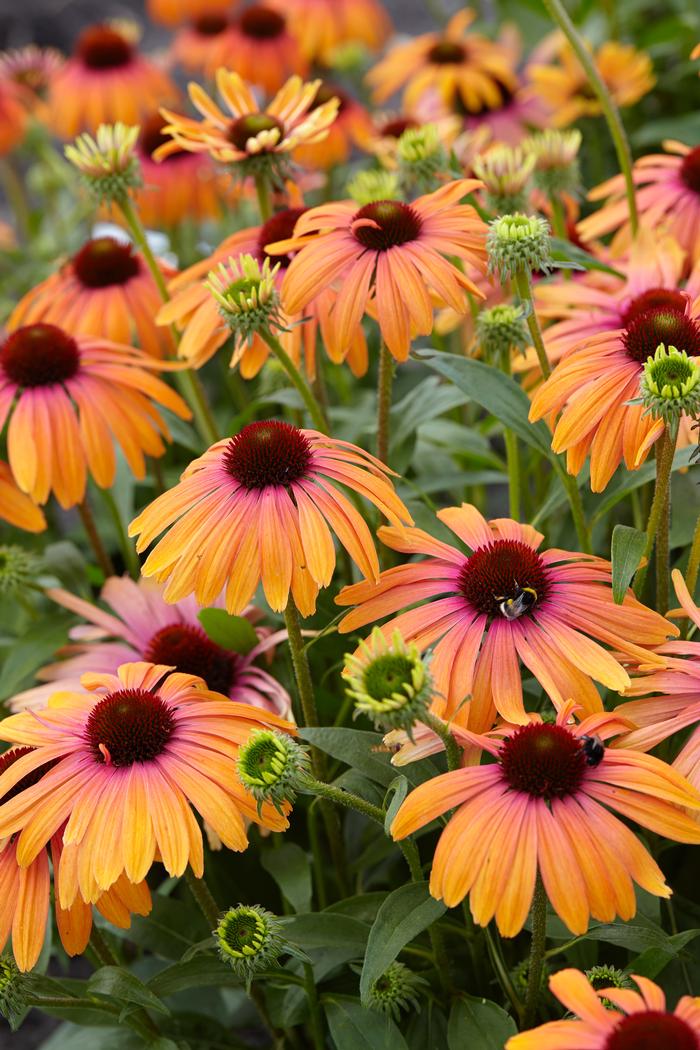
pixel 351 128
pixel 323 26
pixel 261 48
pixel 16 507
pixel 173 12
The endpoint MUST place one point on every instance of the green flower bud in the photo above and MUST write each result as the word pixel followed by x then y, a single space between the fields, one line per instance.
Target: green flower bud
pixel 108 164
pixel 420 155
pixel 18 568
pixel 389 681
pixel 270 765
pixel 398 989
pixel 12 997
pixel 366 187
pixel 249 939
pixel 670 385
pixel 608 977
pixel 500 330
pixel 505 173
pixel 246 294
pixel 555 156
pixel 518 244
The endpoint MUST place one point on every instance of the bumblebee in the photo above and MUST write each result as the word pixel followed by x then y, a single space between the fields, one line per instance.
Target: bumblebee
pixel 593 749
pixel 513 608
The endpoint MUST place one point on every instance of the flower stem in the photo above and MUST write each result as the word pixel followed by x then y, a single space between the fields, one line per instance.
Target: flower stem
pixel 610 111
pixel 558 217
pixel 537 950
pixel 493 947
pixel 384 384
pixel 691 575
pixel 341 797
pixel 512 455
pixel 101 949
pixel 203 898
pixel 452 748
pixel 307 396
pixel 576 504
pixel 131 558
pixel 316 1022
pixel 262 190
pixel 103 559
pixel 658 523
pixel 188 381
pixel 524 287
pixel 14 191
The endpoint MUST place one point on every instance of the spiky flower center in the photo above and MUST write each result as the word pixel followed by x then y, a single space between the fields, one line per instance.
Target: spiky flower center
pixel 105 261
pixel 39 355
pixel 249 939
pixel 188 649
pixel 8 758
pixel 545 761
pixel 385 224
pixel 501 571
pixel 101 47
pixel 394 129
pixel 279 227
pixel 268 453
pixel 654 299
pixel 211 24
pixel 387 675
pixel 651 1030
pixel 128 726
pixel 261 23
pixel 690 170
pixel 446 53
pixel 659 315
pixel 251 125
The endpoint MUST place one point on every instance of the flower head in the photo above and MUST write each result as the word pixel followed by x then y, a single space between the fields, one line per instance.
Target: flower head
pixel 670 385
pixel 12 992
pixel 388 681
pixel 373 185
pixel 323 27
pixel 555 159
pixel 107 163
pixel 421 156
pixel 500 330
pixel 605 976
pixel 518 244
pixel 505 172
pixel 249 938
pixel 246 295
pixel 259 45
pixel 397 990
pixel 18 567
pixel 270 765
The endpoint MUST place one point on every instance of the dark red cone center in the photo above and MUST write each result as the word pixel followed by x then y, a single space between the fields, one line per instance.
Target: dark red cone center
pixel 188 649
pixel 268 453
pixel 39 355
pixel 131 725
pixel 546 761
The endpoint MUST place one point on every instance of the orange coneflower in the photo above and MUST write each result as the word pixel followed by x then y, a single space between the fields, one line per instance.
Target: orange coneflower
pixel 196 45
pixel 258 506
pixel 389 256
pixel 142 626
pixel 105 80
pixel 68 399
pixel 450 64
pixel 32 70
pixel 172 12
pixel 131 756
pixel 323 26
pixel 668 196
pixel 194 309
pixel 13 116
pixel 260 47
pixel 352 127
pixel 503 603
pixel 105 290
pixel 564 87
pixel 24 891
pixel 16 507
pixel 608 331
pixel 544 806
pixel 634 1021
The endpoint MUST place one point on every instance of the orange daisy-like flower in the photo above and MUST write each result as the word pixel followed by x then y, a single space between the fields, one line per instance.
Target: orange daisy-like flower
pixel 13 116
pixel 352 127
pixel 502 603
pixel 16 507
pixel 564 87
pixel 607 334
pixel 668 197
pixel 106 80
pixel 453 63
pixel 25 891
pixel 173 12
pixel 248 133
pixel 322 26
pixel 130 758
pixel 260 47
pixel 195 311
pixel 543 806
pixel 258 507
pixel 637 1020
pixel 105 290
pixel 68 399
pixel 31 70
pixel 197 45
pixel 389 257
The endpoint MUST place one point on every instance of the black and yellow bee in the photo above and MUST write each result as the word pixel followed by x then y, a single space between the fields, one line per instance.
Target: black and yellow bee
pixel 593 749
pixel 512 608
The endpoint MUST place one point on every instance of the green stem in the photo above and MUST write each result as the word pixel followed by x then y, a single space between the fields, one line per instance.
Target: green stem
pixel 537 951
pixel 14 191
pixel 317 1033
pixel 101 949
pixel 523 284
pixel 203 898
pixel 691 575
pixel 657 525
pixel 558 217
pixel 103 559
pixel 348 799
pixel 385 381
pixel 262 190
pixel 437 943
pixel 512 455
pixel 307 396
pixel 573 493
pixel 316 853
pixel 452 748
pixel 610 111
pixel 188 381
pixel 493 946
pixel 131 558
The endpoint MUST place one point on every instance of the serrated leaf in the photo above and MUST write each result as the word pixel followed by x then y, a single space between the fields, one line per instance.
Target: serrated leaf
pixel 404 914
pixel 234 633
pixel 478 1024
pixel 120 986
pixel 626 552
pixel 291 870
pixel 353 1027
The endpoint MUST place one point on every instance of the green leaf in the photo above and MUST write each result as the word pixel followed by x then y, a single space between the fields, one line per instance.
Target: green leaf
pixel 352 1027
pixel 652 961
pixel 204 971
pixel 172 927
pixel 234 633
pixel 627 481
pixel 398 789
pixel 626 552
pixel 64 561
pixel 404 914
pixel 327 930
pixel 120 986
pixel 291 870
pixel 363 751
pixel 38 645
pixel 478 1024
pixel 565 251
pixel 497 393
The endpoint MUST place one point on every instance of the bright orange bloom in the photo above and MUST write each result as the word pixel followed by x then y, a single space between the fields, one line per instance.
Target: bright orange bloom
pixel 351 127
pixel 257 506
pixel 388 257
pixel 16 507
pixel 106 80
pixel 68 399
pixel 29 71
pixel 564 87
pixel 639 1021
pixel 172 12
pixel 247 131
pixel 543 806
pixel 322 26
pixel 503 603
pixel 668 197
pixel 451 64
pixel 105 290
pixel 194 310
pixel 24 892
pixel 130 758
pixel 197 45
pixel 261 48
pixel 608 331
pixel 13 116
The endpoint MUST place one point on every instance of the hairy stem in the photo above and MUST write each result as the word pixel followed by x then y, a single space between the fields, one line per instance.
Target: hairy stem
pixel 537 950
pixel 103 559
pixel 657 524
pixel 385 381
